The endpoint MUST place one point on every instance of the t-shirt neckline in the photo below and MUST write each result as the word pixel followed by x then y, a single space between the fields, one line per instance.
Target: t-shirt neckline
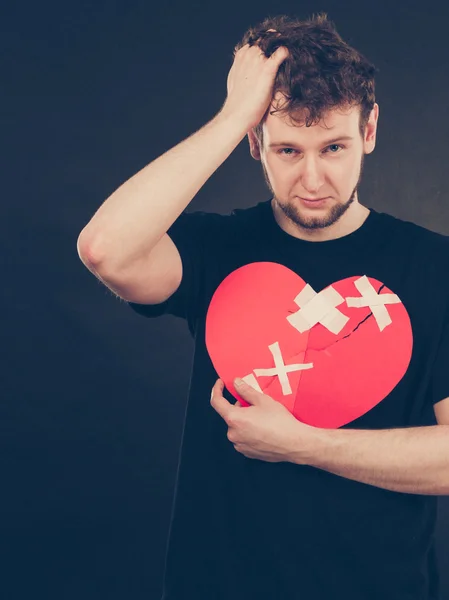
pixel 366 233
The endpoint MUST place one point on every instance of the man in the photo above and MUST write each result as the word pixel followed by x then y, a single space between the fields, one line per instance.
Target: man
pixel 319 478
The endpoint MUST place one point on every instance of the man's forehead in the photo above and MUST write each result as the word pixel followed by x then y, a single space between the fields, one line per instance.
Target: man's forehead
pixel 338 121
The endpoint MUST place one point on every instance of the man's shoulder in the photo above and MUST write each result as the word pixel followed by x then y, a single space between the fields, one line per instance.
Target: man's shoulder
pixel 414 231
pixel 233 218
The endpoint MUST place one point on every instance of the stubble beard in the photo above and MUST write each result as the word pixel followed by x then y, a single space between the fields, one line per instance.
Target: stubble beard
pixel 293 212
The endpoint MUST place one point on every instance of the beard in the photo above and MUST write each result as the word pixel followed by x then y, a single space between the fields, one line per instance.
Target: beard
pixel 293 212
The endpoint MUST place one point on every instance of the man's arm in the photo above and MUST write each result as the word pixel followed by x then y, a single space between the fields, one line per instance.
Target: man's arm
pixel 413 460
pixel 131 222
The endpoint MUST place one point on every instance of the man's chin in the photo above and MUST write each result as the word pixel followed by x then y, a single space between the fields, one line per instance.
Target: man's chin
pixel 315 222
pixel 322 217
pixel 314 218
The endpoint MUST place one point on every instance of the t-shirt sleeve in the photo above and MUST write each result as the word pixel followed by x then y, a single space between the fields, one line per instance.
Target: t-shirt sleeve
pixel 192 233
pixel 440 372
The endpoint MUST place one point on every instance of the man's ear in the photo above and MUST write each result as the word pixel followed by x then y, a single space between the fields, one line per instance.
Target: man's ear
pixel 254 146
pixel 371 130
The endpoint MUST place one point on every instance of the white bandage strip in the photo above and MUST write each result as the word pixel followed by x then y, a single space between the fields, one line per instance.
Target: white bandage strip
pixel 376 302
pixel 280 369
pixel 318 308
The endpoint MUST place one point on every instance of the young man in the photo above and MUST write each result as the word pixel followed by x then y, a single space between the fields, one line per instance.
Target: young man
pixel 321 481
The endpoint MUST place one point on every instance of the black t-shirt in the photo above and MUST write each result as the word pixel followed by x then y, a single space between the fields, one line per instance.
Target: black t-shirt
pixel 246 529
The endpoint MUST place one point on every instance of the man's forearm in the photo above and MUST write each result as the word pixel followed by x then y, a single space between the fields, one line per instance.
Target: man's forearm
pixel 412 460
pixel 138 213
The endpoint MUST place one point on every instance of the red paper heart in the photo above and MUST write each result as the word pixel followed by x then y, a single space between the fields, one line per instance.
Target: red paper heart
pixel 352 371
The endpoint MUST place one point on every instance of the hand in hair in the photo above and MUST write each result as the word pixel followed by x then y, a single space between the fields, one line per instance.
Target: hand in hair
pixel 250 83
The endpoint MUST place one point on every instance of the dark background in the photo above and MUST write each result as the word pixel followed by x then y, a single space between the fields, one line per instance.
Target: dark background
pixel 92 395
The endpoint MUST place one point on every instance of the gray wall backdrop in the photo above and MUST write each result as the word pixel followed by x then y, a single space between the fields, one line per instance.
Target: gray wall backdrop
pixel 90 411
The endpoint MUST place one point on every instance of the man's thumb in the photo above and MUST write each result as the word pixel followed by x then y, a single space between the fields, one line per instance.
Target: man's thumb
pixel 246 391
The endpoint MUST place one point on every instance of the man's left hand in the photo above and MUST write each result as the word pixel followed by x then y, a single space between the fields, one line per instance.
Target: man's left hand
pixel 265 430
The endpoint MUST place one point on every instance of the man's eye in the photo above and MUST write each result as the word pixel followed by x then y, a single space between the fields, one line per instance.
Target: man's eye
pixel 282 150
pixel 335 146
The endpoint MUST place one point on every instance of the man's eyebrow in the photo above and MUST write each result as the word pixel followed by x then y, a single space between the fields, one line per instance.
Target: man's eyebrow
pixel 325 143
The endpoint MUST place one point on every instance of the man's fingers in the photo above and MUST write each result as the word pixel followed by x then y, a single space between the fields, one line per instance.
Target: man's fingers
pixel 279 54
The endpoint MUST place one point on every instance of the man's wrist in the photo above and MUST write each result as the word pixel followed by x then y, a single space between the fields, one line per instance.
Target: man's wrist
pixel 233 121
pixel 308 449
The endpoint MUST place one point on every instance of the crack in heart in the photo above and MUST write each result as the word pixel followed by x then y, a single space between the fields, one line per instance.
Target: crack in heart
pixel 358 325
pixel 324 348
pixel 292 358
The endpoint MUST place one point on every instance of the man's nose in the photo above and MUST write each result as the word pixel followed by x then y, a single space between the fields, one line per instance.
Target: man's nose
pixel 311 174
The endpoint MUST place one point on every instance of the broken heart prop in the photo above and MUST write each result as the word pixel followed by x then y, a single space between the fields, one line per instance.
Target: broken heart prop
pixel 328 356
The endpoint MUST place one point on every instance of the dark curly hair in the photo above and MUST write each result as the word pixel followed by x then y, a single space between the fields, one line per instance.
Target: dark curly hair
pixel 321 72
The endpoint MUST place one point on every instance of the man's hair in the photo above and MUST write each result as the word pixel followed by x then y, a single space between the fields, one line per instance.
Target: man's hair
pixel 322 72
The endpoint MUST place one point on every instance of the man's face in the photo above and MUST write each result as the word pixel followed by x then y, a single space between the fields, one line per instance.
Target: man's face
pixel 321 161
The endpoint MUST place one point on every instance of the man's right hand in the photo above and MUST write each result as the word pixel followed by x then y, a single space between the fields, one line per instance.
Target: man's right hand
pixel 250 83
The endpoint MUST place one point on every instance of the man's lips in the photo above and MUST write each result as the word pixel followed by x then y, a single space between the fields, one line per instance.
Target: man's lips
pixel 315 202
pixel 314 199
